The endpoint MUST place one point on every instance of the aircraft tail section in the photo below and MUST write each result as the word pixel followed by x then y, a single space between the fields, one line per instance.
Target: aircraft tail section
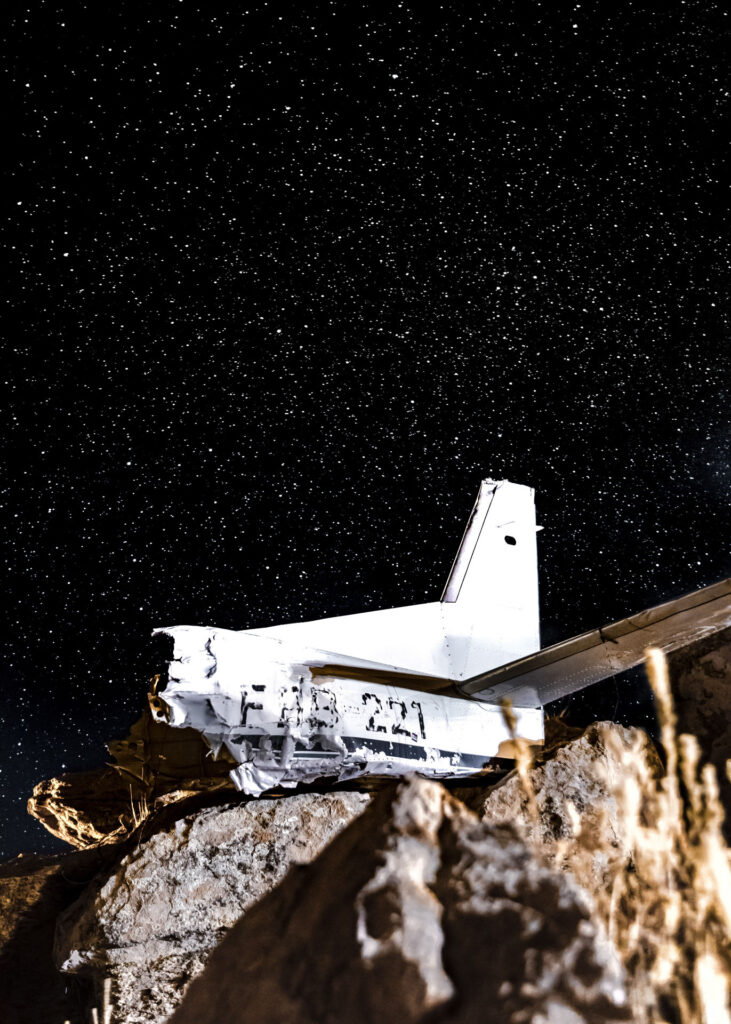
pixel 488 613
pixel 490 601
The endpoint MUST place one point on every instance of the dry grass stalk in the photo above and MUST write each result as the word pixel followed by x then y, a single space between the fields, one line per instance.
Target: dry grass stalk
pixel 668 909
pixel 107 1002
pixel 140 810
pixel 523 757
pixel 106 1016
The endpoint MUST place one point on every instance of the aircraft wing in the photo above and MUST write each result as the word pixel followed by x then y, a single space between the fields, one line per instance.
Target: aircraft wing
pixel 573 664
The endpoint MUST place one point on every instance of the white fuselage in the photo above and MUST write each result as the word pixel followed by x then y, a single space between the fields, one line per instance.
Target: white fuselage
pixel 340 696
pixel 284 724
pixel 408 689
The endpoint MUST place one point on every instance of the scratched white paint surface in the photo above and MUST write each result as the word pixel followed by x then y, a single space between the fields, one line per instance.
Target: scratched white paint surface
pixel 256 697
pixel 252 691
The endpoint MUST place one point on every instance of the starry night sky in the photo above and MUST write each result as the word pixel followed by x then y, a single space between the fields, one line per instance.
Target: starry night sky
pixel 285 281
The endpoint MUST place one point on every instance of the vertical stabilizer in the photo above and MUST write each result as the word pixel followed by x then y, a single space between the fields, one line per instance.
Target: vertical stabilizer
pixel 488 613
pixel 490 601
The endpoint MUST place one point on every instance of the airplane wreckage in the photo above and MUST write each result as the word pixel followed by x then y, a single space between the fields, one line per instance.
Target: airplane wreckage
pixel 413 689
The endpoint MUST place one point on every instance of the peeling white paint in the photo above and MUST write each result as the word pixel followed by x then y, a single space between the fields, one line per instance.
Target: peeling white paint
pixel 258 699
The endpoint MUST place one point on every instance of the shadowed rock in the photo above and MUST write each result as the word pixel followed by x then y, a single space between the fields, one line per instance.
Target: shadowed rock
pixel 701 682
pixel 33 891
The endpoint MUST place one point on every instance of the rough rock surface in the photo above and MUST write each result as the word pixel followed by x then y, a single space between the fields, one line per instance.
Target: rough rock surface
pixel 416 912
pixel 153 766
pixel 33 891
pixel 87 809
pixel 575 783
pixel 701 680
pixel 152 922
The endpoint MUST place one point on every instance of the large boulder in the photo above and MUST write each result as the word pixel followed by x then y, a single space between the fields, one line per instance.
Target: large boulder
pixel 417 912
pixel 150 924
pixel 576 819
pixel 602 808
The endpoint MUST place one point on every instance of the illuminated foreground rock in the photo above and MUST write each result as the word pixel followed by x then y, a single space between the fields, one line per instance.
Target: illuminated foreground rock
pixel 417 912
pixel 574 786
pixel 150 923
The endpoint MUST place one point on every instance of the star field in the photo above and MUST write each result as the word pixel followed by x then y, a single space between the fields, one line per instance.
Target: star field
pixel 285 281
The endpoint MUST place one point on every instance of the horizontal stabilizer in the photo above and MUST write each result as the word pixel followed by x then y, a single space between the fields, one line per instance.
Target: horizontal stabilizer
pixel 573 664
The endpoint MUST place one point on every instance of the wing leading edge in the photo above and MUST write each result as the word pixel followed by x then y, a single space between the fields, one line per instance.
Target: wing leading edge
pixel 573 664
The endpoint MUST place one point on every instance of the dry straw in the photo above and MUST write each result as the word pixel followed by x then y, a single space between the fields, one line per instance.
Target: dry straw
pixel 667 907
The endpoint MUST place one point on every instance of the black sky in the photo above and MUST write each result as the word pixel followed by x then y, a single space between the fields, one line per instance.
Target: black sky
pixel 285 281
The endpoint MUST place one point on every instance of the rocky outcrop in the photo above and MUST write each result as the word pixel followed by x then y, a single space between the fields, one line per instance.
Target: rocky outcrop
pixel 154 766
pixel 577 820
pixel 151 923
pixel 427 908
pixel 417 912
pixel 88 809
